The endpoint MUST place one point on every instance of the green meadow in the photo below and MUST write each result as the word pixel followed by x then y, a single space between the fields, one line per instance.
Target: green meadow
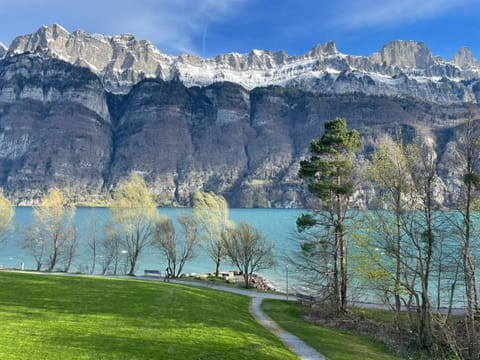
pixel 74 317
pixel 79 317
pixel 334 344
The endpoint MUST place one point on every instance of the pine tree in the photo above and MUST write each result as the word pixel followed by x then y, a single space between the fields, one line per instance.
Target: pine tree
pixel 328 173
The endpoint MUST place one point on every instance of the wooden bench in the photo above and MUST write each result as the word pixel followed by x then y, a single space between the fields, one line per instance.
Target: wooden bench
pixel 305 299
pixel 151 272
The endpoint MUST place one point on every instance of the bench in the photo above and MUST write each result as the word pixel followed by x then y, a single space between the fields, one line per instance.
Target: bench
pixel 151 272
pixel 305 299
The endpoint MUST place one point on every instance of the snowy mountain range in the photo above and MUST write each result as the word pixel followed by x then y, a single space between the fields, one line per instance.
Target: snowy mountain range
pixel 82 111
pixel 400 68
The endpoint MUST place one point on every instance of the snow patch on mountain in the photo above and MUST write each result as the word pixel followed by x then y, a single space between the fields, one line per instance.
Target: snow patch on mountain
pixel 399 68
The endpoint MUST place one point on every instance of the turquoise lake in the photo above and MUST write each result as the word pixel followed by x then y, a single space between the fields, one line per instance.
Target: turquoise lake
pixel 278 225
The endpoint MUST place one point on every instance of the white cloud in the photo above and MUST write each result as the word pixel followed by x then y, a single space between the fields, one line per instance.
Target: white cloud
pixel 173 25
pixel 370 13
pixel 178 25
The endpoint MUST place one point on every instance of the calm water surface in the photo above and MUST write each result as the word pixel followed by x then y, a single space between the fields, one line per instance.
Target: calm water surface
pixel 278 225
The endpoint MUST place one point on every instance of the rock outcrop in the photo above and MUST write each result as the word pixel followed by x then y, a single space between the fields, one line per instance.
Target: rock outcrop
pixel 3 50
pixel 465 60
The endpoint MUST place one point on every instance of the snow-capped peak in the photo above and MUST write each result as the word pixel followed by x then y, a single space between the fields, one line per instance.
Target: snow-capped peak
pixel 121 61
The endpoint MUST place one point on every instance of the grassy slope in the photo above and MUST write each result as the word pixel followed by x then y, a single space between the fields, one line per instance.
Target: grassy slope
pixel 65 317
pixel 334 344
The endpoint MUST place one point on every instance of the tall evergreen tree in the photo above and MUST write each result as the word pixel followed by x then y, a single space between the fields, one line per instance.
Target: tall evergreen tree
pixel 329 175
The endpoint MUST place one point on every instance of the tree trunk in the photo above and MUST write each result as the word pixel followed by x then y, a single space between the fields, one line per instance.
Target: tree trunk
pixel 398 254
pixel 133 264
pixel 336 283
pixel 68 264
pixel 343 262
pixel 217 264
pixel 342 306
pixel 246 277
pixel 94 248
pixel 425 331
pixel 425 328
pixel 53 261
pixel 469 273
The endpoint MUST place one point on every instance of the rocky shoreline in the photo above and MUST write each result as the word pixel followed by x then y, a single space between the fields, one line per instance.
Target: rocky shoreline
pixel 234 277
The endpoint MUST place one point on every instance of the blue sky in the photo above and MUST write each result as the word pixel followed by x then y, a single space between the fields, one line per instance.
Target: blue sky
pixel 211 27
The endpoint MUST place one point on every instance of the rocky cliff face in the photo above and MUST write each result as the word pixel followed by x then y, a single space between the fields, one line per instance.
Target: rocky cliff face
pixel 82 111
pixel 3 50
pixel 401 68
pixel 465 60
pixel 55 127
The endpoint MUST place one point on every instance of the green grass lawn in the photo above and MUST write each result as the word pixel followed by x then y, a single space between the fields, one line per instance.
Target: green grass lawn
pixel 334 344
pixel 69 317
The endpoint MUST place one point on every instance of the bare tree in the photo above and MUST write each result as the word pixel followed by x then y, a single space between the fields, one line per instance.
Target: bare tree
pixel 92 242
pixel 469 160
pixel 110 249
pixel 178 249
pixel 312 260
pixel 211 213
pixel 70 249
pixel 6 214
pixel 391 176
pixel 32 241
pixel 133 217
pixel 53 230
pixel 425 231
pixel 248 250
pixel 410 233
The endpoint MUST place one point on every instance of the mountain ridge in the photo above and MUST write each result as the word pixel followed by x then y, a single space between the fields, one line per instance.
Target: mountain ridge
pixel 122 61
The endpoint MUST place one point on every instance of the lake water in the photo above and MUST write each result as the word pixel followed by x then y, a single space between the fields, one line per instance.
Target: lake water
pixel 278 225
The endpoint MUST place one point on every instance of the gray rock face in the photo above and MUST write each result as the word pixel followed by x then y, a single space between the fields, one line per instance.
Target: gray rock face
pixel 3 50
pixel 61 125
pixel 247 145
pixel 405 55
pixel 55 128
pixel 32 77
pixel 401 68
pixel 465 60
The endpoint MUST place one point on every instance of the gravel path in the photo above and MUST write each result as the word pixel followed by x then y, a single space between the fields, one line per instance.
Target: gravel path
pixel 297 346
pixel 302 350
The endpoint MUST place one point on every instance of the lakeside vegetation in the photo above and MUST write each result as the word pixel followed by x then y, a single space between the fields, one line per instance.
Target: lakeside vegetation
pixel 334 344
pixel 410 251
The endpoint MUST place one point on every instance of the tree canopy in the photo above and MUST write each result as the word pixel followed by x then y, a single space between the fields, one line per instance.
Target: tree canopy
pixel 328 174
pixel 133 213
pixel 211 212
